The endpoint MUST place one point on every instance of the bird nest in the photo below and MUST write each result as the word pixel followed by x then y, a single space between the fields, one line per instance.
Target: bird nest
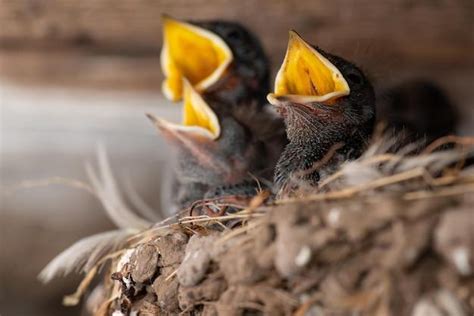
pixel 387 234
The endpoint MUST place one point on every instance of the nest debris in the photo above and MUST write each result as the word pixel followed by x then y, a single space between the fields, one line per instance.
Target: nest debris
pixel 387 234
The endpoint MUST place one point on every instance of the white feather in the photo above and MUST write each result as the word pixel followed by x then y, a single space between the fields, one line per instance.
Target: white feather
pixel 358 172
pixel 110 196
pixel 88 251
pixel 140 204
pixel 434 161
pixel 83 254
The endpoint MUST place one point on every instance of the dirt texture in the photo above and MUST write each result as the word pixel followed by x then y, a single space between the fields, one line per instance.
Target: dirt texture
pixel 386 234
pixel 373 256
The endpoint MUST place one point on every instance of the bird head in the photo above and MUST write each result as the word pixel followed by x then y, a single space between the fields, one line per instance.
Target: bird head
pixel 320 94
pixel 218 57
pixel 417 109
pixel 211 149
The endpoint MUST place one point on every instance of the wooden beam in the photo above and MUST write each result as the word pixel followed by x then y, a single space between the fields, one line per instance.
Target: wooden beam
pixel 402 30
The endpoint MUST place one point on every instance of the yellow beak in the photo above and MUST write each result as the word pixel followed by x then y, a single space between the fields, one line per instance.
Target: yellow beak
pixel 307 76
pixel 193 53
pixel 199 119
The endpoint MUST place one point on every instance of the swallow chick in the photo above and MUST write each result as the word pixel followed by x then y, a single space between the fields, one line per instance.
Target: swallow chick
pixel 417 110
pixel 226 64
pixel 222 60
pixel 211 151
pixel 328 106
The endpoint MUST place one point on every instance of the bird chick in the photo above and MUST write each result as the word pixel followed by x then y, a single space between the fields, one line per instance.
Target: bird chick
pixel 225 63
pixel 211 151
pixel 328 106
pixel 417 110
pixel 222 60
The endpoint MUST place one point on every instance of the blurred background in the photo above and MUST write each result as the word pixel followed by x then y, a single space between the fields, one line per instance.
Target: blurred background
pixel 75 73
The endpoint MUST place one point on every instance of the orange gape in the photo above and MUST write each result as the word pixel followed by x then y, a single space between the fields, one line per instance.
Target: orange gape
pixel 305 72
pixel 199 120
pixel 198 114
pixel 192 53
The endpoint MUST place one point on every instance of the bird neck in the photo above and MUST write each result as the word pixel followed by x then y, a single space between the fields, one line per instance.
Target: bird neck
pixel 297 157
pixel 306 159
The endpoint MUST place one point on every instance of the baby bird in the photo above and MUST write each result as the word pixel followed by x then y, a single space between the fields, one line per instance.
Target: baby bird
pixel 328 106
pixel 222 60
pixel 417 110
pixel 226 68
pixel 226 64
pixel 212 151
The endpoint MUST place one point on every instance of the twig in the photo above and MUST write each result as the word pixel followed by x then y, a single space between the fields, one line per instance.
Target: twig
pixel 238 231
pixel 350 191
pixel 449 191
pixel 28 184
pixel 172 274
pixel 74 298
pixel 446 140
pixel 368 161
pixel 218 218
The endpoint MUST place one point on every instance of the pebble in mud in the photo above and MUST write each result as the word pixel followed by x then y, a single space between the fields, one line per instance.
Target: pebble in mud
pixel 240 269
pixel 210 289
pixel 171 248
pixel 439 303
pixel 145 263
pixel 166 290
pixel 196 260
pixel 453 239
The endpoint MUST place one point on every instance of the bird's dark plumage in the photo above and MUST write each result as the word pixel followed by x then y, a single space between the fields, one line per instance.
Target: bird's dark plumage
pixel 317 129
pixel 224 162
pixel 252 134
pixel 418 109
pixel 247 77
pixel 242 90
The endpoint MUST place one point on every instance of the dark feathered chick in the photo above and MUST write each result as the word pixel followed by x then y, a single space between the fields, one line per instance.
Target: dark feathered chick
pixel 328 106
pixel 247 77
pixel 417 110
pixel 226 64
pixel 222 60
pixel 212 151
pixel 226 67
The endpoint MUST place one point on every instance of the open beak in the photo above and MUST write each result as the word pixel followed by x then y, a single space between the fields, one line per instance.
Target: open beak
pixel 307 76
pixel 199 120
pixel 193 53
pixel 197 133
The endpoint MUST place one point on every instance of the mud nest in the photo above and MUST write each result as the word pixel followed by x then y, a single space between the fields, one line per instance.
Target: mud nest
pixel 385 235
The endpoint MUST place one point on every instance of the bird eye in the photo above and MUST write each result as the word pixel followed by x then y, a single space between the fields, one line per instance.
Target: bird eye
pixel 354 78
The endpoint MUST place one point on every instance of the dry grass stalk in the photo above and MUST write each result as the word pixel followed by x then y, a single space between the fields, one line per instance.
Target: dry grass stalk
pixel 271 232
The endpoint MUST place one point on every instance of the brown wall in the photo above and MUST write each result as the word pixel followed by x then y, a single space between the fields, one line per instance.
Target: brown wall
pixel 389 34
pixel 51 49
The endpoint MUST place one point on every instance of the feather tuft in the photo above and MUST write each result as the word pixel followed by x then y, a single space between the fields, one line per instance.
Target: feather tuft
pixel 83 254
pixel 107 190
